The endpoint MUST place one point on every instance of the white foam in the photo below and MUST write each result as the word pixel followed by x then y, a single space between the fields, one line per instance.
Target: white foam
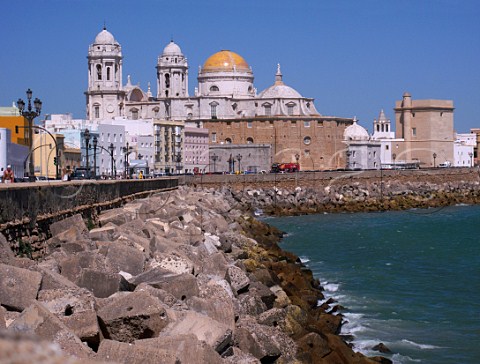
pixel 420 346
pixel 397 358
pixel 331 287
pixel 304 259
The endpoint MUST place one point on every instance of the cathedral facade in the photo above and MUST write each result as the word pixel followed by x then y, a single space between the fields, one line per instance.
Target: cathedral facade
pixel 225 102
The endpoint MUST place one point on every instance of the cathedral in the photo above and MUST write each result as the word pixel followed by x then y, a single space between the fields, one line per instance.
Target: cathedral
pixel 225 101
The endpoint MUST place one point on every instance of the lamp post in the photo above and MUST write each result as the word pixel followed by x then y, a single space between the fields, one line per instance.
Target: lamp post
pixel 349 153
pixel 434 157
pixel 111 148
pixel 297 157
pixel 214 159
pixel 95 141
pixel 86 136
pixel 394 156
pixel 239 158
pixel 471 159
pixel 30 115
pixel 126 150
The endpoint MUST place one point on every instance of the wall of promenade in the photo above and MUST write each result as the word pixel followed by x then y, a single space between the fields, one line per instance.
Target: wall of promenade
pixel 29 208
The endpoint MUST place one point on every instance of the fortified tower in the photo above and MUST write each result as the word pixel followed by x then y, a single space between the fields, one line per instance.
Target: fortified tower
pixel 104 95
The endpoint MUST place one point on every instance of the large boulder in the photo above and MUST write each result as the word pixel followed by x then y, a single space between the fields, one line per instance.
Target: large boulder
pixel 188 348
pixel 65 224
pixel 38 320
pixel 126 353
pixel 103 284
pixel 18 287
pixel 135 316
pixel 6 253
pixel 120 257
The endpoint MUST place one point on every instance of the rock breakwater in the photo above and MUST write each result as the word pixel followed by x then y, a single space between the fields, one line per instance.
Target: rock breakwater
pixel 181 277
pixel 357 196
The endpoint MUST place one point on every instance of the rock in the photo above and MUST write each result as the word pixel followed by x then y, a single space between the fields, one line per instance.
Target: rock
pixel 6 253
pixel 117 216
pixel 312 348
pixel 181 286
pixel 188 348
pixel 102 233
pixel 137 315
pixel 215 264
pixel 381 347
pixel 73 221
pixel 38 320
pixel 217 335
pixel 76 308
pixel 176 264
pixel 124 258
pixel 126 353
pixel 103 284
pixel 54 280
pixel 18 287
pixel 237 278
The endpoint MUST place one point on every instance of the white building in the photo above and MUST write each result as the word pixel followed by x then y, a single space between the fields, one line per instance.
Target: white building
pixel 463 149
pixel 362 152
pixel 12 154
pixel 382 133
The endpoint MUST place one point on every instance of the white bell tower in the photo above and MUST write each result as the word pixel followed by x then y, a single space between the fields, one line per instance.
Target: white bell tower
pixel 105 97
pixel 172 73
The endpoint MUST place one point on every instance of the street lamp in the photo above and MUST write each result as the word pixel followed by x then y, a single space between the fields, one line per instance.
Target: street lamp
pixel 111 148
pixel 126 150
pixel 394 156
pixel 30 115
pixel 86 136
pixel 297 157
pixel 434 157
pixel 95 141
pixel 214 159
pixel 349 153
pixel 471 159
pixel 239 158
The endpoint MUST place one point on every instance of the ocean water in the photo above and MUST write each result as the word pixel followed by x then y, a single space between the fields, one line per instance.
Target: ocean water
pixel 408 279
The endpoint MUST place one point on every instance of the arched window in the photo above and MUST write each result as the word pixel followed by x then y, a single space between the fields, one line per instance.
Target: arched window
pixel 249 140
pixel 214 89
pixel 108 73
pixel 99 72
pixel 228 141
pixel 97 112
pixel 167 80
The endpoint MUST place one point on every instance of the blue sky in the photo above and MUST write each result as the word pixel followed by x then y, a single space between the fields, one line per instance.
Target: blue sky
pixel 353 57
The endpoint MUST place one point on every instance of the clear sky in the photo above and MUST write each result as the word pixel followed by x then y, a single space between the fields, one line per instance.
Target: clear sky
pixel 353 57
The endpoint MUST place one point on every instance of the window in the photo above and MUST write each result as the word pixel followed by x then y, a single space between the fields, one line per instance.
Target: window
pixel 249 124
pixel 214 137
pixel 414 131
pixel 307 140
pixel 97 112
pixel 134 114
pixel 306 124
pixel 387 147
pixel 99 72
pixel 268 110
pixel 320 123
pixel 213 110
pixel 108 73
pixel 294 122
pixel 249 140
pixel 228 141
pixel 290 109
pixel 214 89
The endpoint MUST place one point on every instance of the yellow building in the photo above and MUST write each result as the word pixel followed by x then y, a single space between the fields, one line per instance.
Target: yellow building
pixel 10 118
pixel 43 149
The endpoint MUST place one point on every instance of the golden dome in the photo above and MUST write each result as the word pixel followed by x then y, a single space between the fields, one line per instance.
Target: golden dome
pixel 225 61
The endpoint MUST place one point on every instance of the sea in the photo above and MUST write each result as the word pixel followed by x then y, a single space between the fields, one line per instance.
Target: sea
pixel 407 279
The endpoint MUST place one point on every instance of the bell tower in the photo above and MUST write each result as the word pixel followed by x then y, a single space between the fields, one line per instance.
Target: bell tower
pixel 104 94
pixel 172 73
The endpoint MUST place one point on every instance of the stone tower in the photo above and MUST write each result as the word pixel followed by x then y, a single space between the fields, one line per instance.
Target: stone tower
pixel 105 96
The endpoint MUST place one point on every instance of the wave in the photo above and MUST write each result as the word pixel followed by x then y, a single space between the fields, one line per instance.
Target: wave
pixel 304 259
pixel 331 287
pixel 421 346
